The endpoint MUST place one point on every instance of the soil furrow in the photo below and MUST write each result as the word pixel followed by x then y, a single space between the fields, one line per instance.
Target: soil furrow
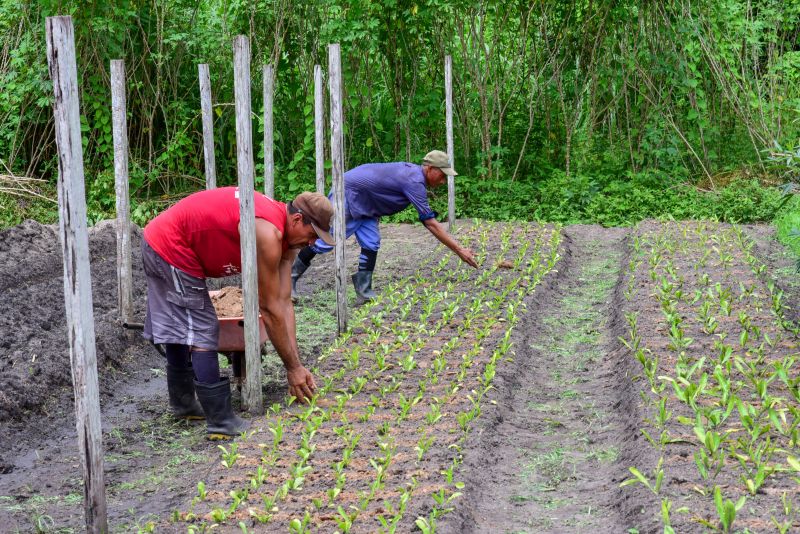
pixel 548 459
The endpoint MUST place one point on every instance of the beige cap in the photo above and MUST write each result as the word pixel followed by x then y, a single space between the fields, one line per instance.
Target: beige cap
pixel 318 210
pixel 437 158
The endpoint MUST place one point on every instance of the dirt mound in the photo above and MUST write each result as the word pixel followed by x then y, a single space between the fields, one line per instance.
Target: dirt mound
pixel 36 373
pixel 228 302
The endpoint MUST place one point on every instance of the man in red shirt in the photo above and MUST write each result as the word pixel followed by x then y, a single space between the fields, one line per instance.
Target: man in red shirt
pixel 197 238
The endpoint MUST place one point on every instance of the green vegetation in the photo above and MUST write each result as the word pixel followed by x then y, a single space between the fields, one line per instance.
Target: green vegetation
pixel 409 381
pixel 717 378
pixel 564 111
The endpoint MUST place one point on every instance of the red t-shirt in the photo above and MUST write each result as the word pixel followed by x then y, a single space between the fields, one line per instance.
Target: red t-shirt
pixel 200 234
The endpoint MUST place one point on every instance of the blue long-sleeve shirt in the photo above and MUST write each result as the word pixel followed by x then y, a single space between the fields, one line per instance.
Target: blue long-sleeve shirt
pixel 379 189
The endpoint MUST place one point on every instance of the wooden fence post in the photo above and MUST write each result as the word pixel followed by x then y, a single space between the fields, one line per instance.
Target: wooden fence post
pixel 120 132
pixel 337 172
pixel 208 125
pixel 451 182
pixel 251 392
pixel 319 128
pixel 77 277
pixel 269 162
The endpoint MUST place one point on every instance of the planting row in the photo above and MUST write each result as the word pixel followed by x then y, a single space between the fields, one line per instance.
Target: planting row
pixel 719 382
pixel 378 449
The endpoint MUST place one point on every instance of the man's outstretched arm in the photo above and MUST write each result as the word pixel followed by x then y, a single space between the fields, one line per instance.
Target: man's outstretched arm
pixel 439 232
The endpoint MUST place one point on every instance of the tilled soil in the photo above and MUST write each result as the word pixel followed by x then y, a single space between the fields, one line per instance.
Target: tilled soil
pixel 706 261
pixel 550 456
pixel 369 402
pixel 152 461
pixel 547 456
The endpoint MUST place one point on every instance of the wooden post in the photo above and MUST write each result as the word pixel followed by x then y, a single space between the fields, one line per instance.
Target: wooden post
pixel 319 128
pixel 451 182
pixel 77 277
pixel 337 178
pixel 120 131
pixel 251 392
pixel 269 163
pixel 208 125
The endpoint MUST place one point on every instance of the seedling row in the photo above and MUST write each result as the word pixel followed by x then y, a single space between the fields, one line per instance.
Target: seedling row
pixel 378 449
pixel 719 382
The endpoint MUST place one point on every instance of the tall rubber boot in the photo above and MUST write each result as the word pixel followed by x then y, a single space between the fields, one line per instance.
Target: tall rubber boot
pixel 180 385
pixel 298 268
pixel 221 422
pixel 362 281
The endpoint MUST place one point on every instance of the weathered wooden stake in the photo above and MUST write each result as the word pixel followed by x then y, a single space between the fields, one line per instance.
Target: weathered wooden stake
pixel 451 182
pixel 208 125
pixel 319 127
pixel 77 277
pixel 337 178
pixel 251 392
pixel 269 163
pixel 120 132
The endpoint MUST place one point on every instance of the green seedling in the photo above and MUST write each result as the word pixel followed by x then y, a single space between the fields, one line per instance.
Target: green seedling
pixel 201 492
pixel 237 497
pixel 426 525
pixel 345 519
pixel 422 446
pixel 639 478
pixel 296 526
pixel 229 456
pixel 218 515
pixel 726 509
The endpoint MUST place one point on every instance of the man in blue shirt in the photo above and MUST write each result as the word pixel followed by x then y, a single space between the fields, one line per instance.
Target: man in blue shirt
pixel 374 190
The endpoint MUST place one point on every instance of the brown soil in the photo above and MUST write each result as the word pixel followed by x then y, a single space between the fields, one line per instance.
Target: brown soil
pixel 373 416
pixel 551 453
pixel 152 461
pixel 228 302
pixel 548 453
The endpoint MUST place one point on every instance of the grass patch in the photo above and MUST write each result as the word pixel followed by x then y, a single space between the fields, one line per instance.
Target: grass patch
pixel 604 455
pixel 549 469
pixel 787 227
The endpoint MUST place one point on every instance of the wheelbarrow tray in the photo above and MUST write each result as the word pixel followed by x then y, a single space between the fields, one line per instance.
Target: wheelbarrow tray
pixel 231 332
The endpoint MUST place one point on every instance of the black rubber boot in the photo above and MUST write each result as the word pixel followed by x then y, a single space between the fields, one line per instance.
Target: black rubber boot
pixel 180 384
pixel 298 268
pixel 362 281
pixel 221 422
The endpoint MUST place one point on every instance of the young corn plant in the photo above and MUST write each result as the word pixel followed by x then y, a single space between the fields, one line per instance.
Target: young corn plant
pixel 653 485
pixel 229 456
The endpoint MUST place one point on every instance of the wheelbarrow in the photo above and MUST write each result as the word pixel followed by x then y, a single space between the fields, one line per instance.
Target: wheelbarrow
pixel 231 342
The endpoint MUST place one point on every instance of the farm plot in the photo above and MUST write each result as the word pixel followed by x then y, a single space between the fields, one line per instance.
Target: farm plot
pixel 379 448
pixel 719 382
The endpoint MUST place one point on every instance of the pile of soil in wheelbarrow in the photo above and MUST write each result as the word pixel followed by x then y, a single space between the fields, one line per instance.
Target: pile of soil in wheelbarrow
pixel 36 380
pixel 228 302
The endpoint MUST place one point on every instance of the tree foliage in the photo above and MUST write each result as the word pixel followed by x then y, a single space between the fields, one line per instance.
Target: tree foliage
pixel 588 88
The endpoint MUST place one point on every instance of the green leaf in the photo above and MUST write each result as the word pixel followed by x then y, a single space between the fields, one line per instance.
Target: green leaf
pixel 793 462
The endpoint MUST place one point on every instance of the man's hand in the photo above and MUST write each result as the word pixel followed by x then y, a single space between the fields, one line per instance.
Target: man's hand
pixel 467 257
pixel 301 383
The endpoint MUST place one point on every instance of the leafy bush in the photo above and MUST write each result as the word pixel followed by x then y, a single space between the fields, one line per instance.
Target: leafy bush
pixel 609 202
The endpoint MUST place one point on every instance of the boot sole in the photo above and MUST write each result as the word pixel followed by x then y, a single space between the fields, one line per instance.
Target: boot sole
pixel 219 437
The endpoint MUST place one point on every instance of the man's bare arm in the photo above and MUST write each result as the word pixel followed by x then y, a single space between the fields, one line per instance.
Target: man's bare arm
pixel 285 270
pixel 274 299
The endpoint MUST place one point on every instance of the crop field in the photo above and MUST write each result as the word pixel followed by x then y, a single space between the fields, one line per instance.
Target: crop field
pixel 719 381
pixel 583 379
pixel 379 448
